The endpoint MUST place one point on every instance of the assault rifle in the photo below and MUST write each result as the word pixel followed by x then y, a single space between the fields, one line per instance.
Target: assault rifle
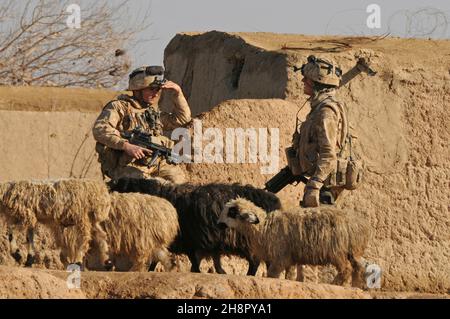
pixel 285 176
pixel 146 140
pixel 282 179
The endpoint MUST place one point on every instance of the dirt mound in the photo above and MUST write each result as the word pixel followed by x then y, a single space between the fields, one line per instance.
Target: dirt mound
pixel 182 285
pixel 49 284
pixel 19 283
pixel 35 283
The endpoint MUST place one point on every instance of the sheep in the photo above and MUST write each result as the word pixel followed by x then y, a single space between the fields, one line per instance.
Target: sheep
pixel 141 227
pixel 314 236
pixel 72 208
pixel 199 207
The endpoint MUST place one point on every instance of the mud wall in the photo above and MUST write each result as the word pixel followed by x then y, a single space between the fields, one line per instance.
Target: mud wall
pixel 216 66
pixel 402 128
pixel 405 200
pixel 41 145
pixel 46 132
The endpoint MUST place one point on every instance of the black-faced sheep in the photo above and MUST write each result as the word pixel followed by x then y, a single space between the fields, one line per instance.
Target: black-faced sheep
pixel 72 208
pixel 199 207
pixel 315 236
pixel 141 227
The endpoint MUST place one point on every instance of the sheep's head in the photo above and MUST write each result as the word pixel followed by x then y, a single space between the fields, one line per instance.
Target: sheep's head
pixel 238 213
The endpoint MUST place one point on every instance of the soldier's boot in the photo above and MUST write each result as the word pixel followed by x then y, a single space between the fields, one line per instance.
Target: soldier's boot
pixel 326 197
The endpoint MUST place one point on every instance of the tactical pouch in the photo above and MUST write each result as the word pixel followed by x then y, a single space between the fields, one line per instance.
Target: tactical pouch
pixel 354 174
pixel 293 161
pixel 108 158
pixel 341 172
pixel 124 159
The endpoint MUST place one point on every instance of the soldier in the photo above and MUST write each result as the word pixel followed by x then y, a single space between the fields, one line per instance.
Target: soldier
pixel 322 136
pixel 117 156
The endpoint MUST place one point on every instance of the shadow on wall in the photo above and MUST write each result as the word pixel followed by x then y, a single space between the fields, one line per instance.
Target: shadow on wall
pixel 215 66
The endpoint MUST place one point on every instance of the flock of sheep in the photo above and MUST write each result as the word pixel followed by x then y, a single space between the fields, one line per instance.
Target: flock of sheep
pixel 152 220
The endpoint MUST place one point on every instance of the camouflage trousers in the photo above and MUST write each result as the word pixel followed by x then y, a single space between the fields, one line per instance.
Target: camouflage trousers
pixel 170 172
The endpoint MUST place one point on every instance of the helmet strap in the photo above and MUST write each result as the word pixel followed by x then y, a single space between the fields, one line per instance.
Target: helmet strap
pixel 138 96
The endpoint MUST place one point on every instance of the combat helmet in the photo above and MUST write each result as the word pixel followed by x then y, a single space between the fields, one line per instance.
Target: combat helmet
pixel 146 76
pixel 322 71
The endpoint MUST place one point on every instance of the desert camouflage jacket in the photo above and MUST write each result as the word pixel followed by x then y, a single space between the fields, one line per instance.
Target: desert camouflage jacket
pixel 322 136
pixel 125 113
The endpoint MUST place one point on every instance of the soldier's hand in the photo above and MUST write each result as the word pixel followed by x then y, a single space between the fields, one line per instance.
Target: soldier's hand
pixel 135 151
pixel 169 85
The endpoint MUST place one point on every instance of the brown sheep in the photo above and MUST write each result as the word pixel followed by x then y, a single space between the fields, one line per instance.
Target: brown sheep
pixel 72 208
pixel 141 227
pixel 314 236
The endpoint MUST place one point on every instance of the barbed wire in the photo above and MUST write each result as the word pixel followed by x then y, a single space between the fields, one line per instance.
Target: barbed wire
pixel 425 22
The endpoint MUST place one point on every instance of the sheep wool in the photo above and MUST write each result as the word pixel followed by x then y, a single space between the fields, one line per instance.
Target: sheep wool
pixel 73 208
pixel 142 227
pixel 299 236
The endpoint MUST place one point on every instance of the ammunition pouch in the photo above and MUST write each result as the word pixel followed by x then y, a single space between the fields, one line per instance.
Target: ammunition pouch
pixel 341 173
pixel 293 161
pixel 354 174
pixel 348 174
pixel 109 158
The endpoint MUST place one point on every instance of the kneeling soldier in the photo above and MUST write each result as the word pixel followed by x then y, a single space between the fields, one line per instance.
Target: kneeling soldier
pixel 117 156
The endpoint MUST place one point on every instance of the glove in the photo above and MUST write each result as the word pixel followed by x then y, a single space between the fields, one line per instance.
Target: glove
pixel 312 194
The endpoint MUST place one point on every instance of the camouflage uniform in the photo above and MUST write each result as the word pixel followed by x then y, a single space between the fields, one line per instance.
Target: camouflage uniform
pixel 123 115
pixel 322 138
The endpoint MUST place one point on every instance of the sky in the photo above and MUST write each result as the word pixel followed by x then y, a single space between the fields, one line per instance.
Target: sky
pixel 405 18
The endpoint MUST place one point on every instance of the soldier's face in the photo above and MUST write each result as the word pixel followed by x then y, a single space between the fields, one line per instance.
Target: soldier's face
pixel 151 96
pixel 308 86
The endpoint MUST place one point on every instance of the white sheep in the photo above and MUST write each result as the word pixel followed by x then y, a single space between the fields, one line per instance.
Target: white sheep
pixel 141 227
pixel 72 208
pixel 314 236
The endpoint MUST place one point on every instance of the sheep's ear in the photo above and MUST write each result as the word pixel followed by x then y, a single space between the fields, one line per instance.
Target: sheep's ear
pixel 230 204
pixel 250 218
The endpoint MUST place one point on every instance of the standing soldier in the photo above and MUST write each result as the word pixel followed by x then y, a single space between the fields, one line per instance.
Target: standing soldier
pixel 117 156
pixel 322 137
